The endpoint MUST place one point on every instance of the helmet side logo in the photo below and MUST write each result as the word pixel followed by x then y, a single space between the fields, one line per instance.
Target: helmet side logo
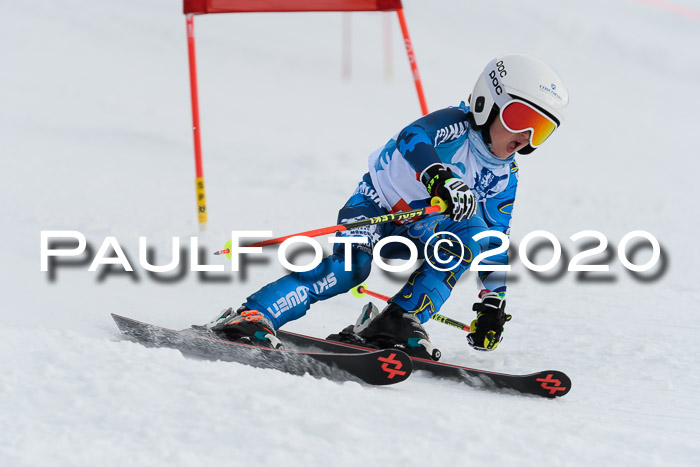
pixel 494 79
pixel 551 90
pixel 495 83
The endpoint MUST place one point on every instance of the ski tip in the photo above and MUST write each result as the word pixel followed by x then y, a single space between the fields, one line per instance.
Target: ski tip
pixel 117 317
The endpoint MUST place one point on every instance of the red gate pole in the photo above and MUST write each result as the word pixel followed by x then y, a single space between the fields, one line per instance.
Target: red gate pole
pixel 199 172
pixel 412 61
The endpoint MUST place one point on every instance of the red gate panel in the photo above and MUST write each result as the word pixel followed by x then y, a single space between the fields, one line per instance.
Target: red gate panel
pixel 200 7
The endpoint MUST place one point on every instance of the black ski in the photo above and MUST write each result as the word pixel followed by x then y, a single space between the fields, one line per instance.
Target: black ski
pixel 372 367
pixel 543 383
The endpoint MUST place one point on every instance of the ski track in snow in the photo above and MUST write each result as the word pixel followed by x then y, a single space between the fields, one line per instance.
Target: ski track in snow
pixel 96 137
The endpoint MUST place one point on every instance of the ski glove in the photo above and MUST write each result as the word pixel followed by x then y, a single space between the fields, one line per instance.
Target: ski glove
pixel 440 181
pixel 487 328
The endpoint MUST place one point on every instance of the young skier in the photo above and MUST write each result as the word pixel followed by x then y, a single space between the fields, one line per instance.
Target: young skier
pixel 464 155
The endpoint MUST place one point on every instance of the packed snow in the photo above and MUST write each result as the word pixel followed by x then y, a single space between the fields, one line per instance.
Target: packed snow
pixel 96 132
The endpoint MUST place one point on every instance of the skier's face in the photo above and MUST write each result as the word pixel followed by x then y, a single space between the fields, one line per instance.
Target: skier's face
pixel 504 142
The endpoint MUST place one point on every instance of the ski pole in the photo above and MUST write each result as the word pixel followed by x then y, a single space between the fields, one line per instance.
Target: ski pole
pixel 360 291
pixel 436 205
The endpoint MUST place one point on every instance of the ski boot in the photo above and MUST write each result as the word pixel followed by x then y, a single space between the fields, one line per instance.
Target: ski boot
pixel 350 335
pixel 244 325
pixel 394 327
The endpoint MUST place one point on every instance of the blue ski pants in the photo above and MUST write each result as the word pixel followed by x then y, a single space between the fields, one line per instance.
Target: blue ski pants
pixel 428 287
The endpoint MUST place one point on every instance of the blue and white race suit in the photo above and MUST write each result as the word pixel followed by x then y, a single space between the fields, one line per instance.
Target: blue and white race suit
pixel 392 184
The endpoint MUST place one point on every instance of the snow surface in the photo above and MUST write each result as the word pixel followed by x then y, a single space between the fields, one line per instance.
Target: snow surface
pixel 96 137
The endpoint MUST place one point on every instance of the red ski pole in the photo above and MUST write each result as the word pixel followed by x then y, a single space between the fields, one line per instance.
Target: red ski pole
pixel 360 291
pixel 437 205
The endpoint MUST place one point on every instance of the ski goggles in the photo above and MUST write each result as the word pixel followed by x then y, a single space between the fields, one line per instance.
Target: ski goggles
pixel 518 116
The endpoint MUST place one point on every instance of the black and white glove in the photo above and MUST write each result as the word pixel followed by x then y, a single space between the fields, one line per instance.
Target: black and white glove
pixel 487 329
pixel 441 182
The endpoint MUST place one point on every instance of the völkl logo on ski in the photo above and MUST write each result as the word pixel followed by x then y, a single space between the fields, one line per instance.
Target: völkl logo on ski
pixel 557 386
pixel 391 360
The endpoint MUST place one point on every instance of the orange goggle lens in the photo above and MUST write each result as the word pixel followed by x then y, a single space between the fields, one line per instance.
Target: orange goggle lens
pixel 518 116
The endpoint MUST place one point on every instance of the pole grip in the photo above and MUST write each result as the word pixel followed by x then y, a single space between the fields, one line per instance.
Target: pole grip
pixel 437 201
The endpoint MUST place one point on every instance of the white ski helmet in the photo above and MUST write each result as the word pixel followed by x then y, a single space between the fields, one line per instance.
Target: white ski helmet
pixel 522 77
